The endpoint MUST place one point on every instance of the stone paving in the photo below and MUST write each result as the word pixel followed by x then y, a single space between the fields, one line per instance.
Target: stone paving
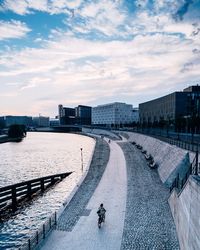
pixel 76 207
pixel 148 220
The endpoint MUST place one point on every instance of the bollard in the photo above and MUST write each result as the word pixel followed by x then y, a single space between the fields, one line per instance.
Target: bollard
pixel 37 237
pixel 43 231
pixel 196 163
pixel 29 244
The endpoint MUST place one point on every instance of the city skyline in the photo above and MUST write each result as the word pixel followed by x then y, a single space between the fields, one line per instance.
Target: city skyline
pixel 95 52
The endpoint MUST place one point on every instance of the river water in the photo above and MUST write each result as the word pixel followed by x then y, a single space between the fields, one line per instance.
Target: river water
pixel 40 154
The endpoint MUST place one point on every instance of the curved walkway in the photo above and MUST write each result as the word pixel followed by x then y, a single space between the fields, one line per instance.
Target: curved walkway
pixel 148 223
pixel 138 214
pixel 84 233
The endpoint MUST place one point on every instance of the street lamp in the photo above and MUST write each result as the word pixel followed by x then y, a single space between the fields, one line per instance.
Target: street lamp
pixel 81 159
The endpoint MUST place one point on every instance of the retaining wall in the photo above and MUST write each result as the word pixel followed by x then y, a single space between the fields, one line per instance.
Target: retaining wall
pixel 171 160
pixel 185 209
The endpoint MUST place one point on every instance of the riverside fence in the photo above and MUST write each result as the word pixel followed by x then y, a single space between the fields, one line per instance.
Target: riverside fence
pixel 36 238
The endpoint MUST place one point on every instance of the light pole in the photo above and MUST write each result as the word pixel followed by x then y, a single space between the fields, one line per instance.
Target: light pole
pixel 81 159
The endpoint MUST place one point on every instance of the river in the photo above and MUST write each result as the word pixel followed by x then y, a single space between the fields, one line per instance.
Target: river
pixel 40 154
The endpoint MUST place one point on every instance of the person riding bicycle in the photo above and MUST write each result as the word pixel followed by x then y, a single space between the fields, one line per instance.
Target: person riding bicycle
pixel 101 212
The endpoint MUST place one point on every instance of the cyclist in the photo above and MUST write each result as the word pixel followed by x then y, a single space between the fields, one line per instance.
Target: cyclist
pixel 101 212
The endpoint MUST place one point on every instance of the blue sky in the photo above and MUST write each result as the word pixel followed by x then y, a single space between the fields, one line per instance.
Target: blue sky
pixel 95 52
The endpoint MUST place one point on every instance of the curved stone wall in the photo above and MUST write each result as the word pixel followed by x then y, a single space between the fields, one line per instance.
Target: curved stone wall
pixel 171 160
pixel 185 209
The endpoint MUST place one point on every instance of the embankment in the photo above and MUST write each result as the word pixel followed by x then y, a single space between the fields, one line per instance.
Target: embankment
pixel 171 160
pixel 185 206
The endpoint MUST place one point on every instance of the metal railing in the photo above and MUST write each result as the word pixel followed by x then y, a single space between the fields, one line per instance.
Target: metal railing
pixel 40 234
pixel 179 142
pixel 179 182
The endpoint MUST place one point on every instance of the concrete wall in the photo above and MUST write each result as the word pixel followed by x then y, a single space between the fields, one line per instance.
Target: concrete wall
pixel 185 209
pixel 171 160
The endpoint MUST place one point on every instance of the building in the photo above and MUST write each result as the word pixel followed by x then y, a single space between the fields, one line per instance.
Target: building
pixel 112 114
pixel 83 115
pixel 66 115
pixel 21 120
pixel 2 122
pixel 80 115
pixel 170 109
pixel 41 121
pixel 54 122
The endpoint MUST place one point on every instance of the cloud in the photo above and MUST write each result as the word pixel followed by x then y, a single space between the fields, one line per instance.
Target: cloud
pixel 103 17
pixel 13 29
pixel 102 54
pixel 183 9
pixel 24 7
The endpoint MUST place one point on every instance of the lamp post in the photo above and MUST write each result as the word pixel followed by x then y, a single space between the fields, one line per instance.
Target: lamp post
pixel 81 159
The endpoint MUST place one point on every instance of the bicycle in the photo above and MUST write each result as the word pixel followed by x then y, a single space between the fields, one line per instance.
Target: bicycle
pixel 101 219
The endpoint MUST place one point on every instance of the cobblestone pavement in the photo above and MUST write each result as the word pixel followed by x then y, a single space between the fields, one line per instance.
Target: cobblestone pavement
pixel 148 220
pixel 76 207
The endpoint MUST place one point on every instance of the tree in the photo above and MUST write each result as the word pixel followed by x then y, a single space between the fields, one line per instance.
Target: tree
pixel 16 131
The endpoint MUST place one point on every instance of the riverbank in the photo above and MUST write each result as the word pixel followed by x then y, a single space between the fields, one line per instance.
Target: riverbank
pixel 5 138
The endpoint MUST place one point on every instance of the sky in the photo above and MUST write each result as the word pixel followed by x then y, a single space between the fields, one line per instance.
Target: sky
pixel 92 52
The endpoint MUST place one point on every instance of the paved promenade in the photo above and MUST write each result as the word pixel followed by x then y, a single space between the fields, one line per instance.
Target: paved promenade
pixel 84 233
pixel 138 214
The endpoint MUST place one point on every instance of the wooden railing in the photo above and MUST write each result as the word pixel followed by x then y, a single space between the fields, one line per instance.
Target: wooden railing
pixel 12 195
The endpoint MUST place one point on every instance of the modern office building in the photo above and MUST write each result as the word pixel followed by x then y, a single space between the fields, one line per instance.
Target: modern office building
pixel 66 115
pixel 171 107
pixel 112 114
pixel 80 115
pixel 83 115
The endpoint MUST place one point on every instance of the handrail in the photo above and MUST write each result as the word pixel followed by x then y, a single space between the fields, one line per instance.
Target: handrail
pixel 193 170
pixel 173 141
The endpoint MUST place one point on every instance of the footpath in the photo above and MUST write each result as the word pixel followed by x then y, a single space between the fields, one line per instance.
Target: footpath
pixel 83 233
pixel 138 215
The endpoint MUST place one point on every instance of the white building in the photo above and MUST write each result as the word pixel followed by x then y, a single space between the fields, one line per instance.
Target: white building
pixel 112 114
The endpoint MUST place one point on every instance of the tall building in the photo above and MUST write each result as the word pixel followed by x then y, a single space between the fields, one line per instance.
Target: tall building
pixel 170 108
pixel 112 114
pixel 66 115
pixel 83 115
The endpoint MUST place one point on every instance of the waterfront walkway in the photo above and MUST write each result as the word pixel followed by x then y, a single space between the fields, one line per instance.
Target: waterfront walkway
pixel 86 235
pixel 138 215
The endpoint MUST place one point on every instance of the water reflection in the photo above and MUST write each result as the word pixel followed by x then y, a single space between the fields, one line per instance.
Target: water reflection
pixel 40 154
